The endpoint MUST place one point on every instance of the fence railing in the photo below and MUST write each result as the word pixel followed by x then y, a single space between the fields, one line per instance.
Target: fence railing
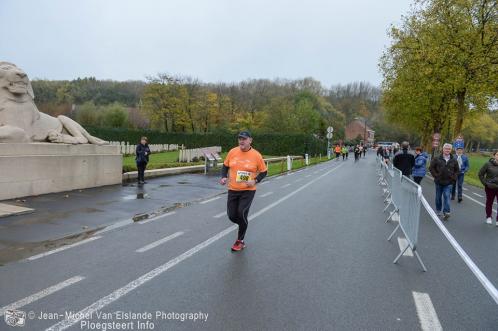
pixel 189 155
pixel 129 149
pixel 403 199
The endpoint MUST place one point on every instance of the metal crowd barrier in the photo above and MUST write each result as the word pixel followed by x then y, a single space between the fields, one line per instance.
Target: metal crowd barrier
pixel 409 204
pixel 394 198
pixel 404 196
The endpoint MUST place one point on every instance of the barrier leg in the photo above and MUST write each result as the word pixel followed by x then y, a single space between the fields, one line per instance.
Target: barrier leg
pixel 392 234
pixel 391 215
pixel 386 199
pixel 420 260
pixel 389 202
pixel 400 254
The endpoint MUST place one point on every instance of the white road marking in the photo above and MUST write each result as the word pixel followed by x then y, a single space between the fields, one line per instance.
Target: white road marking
pixel 156 218
pixel 158 242
pixel 266 194
pixel 426 313
pixel 209 200
pixel 479 195
pixel 220 214
pixel 41 294
pixel 63 248
pixel 286 185
pixel 490 288
pixel 298 180
pixel 308 176
pixel 478 202
pixel 264 183
pixel 402 245
pixel 107 300
pixel 279 177
pixel 465 189
pixel 116 225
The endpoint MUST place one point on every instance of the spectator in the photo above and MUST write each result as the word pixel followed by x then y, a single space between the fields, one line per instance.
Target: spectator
pixel 444 169
pixel 403 160
pixel 489 178
pixel 142 153
pixel 420 168
pixel 463 163
pixel 380 151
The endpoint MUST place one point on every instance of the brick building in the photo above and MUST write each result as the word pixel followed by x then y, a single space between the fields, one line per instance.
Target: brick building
pixel 357 128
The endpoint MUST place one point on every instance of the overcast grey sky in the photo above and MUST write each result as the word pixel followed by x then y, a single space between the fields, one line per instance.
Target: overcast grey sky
pixel 334 41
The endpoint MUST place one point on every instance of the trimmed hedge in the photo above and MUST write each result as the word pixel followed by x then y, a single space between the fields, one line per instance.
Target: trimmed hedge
pixel 267 143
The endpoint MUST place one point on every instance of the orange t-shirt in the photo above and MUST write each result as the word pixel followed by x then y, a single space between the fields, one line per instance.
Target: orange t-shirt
pixel 337 149
pixel 244 166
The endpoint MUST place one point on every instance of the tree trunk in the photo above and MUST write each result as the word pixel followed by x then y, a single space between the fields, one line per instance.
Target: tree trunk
pixel 461 110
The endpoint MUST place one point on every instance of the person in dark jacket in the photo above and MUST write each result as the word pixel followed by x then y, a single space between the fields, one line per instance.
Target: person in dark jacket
pixel 489 178
pixel 142 153
pixel 445 170
pixel 403 160
pixel 357 153
pixel 380 151
pixel 420 168
pixel 463 163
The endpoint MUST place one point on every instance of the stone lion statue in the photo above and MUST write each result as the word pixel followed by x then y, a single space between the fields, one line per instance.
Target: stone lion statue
pixel 21 121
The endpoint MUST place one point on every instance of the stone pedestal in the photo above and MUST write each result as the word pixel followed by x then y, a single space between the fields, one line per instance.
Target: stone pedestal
pixel 39 168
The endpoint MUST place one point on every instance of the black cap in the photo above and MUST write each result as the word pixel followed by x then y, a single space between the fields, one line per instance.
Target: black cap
pixel 244 134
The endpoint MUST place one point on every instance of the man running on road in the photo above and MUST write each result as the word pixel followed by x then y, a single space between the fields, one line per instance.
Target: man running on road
pixel 243 168
pixel 337 151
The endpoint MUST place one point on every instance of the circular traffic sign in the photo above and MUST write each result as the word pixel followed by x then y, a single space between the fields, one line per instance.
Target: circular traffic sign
pixel 330 135
pixel 330 129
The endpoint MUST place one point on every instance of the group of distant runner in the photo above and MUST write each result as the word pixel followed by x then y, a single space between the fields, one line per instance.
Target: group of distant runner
pixel 344 150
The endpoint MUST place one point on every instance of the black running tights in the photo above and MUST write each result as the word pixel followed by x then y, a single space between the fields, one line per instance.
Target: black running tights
pixel 238 204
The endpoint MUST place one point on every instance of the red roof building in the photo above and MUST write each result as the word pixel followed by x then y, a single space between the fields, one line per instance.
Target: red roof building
pixel 357 128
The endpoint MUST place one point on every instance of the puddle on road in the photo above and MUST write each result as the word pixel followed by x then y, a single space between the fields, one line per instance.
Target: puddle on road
pixel 139 195
pixel 183 182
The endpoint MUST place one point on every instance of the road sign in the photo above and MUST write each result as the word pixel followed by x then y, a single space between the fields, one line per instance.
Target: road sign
pixel 330 129
pixel 330 135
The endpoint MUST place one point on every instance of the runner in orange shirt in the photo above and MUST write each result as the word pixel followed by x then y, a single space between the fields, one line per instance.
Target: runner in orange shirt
pixel 337 151
pixel 243 168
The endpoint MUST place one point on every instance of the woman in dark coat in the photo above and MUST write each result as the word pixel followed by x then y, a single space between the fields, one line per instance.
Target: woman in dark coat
pixel 142 158
pixel 489 178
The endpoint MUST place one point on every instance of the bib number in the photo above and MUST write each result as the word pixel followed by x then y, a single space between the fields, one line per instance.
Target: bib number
pixel 243 176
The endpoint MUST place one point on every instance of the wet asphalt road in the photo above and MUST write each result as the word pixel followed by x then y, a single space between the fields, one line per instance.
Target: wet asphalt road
pixel 59 217
pixel 317 258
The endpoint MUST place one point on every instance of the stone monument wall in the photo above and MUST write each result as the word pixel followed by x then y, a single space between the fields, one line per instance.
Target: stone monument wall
pixel 28 169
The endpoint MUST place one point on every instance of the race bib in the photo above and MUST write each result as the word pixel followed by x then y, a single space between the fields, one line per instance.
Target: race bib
pixel 243 176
